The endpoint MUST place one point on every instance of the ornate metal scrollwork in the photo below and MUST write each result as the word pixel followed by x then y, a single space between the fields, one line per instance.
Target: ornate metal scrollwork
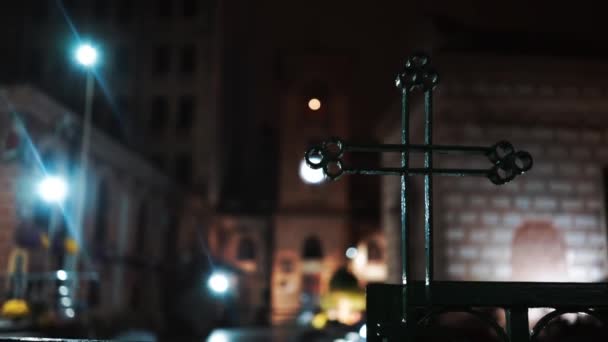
pixel 508 163
pixel 500 332
pixel 550 317
pixel 417 74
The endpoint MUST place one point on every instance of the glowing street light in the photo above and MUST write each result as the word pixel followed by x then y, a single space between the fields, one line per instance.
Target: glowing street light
pixel 86 55
pixel 310 175
pixel 53 189
pixel 62 275
pixel 218 283
pixel 351 252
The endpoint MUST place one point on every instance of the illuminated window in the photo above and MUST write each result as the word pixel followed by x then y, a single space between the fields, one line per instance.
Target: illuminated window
pixel 312 249
pixel 246 250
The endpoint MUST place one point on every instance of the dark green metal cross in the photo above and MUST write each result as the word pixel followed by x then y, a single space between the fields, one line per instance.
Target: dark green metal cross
pixel 505 163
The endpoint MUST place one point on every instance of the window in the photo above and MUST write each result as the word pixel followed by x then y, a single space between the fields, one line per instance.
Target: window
pixel 185 115
pixel 374 252
pixel 121 60
pixel 101 215
pixel 164 8
pixel 162 60
pixel 190 8
pixel 142 224
pixel 159 114
pixel 183 169
pixel 312 249
pixel 538 254
pixel 125 11
pixel 246 250
pixel 188 60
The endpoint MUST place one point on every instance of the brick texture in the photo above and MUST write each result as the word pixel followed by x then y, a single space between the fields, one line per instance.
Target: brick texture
pixel 478 222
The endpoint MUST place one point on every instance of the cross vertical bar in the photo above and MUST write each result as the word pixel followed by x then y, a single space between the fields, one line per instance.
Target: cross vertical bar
pixel 428 189
pixel 405 269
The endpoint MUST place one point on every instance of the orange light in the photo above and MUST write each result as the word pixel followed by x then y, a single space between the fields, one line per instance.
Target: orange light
pixel 314 104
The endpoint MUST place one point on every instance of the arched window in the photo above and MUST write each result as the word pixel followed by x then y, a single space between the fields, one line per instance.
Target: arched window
pixel 246 249
pixel 312 249
pixel 101 215
pixel 374 252
pixel 538 253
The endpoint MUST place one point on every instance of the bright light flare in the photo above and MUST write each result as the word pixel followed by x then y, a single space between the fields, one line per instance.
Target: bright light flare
pixel 69 312
pixel 66 301
pixel 218 283
pixel 363 331
pixel 86 55
pixel 218 336
pixel 351 252
pixel 310 175
pixel 62 275
pixel 53 189
pixel 63 290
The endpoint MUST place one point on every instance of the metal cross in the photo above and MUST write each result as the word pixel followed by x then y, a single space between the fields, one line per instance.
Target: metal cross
pixel 505 163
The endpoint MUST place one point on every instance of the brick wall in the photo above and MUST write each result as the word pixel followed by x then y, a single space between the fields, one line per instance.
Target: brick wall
pixel 477 221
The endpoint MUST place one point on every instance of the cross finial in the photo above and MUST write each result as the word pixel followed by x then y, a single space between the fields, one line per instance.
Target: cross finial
pixel 417 74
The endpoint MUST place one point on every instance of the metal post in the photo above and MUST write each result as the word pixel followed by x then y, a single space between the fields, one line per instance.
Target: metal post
pixel 82 175
pixel 405 270
pixel 428 189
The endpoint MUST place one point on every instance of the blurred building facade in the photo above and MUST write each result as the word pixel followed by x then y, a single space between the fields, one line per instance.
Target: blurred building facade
pixel 158 76
pixel 139 228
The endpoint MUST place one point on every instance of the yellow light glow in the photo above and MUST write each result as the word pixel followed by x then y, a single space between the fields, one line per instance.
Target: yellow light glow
pixel 314 104
pixel 319 321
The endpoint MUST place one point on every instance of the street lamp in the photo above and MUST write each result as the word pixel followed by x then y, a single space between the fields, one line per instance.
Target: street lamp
pixel 52 189
pixel 86 55
pixel 218 283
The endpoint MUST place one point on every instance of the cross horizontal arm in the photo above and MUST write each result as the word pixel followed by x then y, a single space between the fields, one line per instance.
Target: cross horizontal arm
pixel 387 171
pixel 507 163
pixel 480 150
